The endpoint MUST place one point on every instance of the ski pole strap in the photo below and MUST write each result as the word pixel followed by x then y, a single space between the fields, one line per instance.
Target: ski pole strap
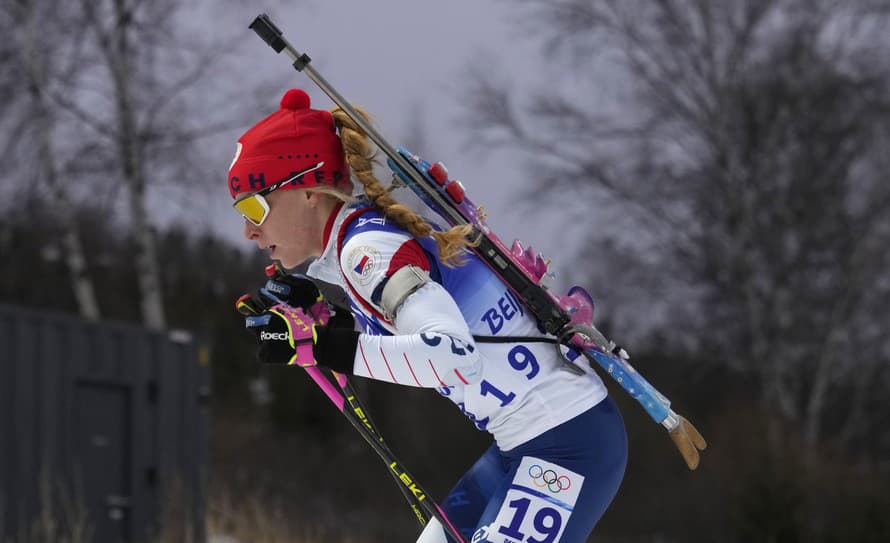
pixel 326 386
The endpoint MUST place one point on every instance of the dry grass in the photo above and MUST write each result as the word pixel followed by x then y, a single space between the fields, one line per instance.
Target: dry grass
pixel 250 498
pixel 63 517
pixel 249 519
pixel 230 518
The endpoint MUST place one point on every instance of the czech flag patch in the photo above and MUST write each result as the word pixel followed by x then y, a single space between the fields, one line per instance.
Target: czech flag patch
pixel 362 263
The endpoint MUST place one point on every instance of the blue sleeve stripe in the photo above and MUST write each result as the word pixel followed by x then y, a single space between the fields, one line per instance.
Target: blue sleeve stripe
pixel 377 295
pixel 533 492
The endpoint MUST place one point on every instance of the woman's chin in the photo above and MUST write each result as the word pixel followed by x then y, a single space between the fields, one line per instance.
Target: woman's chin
pixel 286 261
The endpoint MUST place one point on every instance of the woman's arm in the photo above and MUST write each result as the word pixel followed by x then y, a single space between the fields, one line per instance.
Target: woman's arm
pixel 432 347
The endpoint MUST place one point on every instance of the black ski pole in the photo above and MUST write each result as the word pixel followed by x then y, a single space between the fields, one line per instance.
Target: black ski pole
pixel 341 393
pixel 424 507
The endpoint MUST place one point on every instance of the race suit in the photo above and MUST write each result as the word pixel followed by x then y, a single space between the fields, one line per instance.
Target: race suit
pixel 560 448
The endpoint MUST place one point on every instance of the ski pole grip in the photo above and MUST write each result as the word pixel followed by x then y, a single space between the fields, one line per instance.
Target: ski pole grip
pixel 266 29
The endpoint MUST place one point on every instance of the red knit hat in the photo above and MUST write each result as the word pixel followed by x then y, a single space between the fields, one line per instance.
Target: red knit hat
pixel 293 138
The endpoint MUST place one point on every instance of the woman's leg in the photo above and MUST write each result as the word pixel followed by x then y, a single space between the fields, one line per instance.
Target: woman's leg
pixel 469 497
pixel 560 483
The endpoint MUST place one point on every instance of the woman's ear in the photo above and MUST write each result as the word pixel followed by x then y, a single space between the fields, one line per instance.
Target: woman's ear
pixel 314 198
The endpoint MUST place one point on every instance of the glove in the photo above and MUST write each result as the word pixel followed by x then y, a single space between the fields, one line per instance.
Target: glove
pixel 689 441
pixel 287 334
pixel 333 339
pixel 295 291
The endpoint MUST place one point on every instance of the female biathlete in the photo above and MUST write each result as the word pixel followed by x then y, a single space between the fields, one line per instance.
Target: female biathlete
pixel 431 315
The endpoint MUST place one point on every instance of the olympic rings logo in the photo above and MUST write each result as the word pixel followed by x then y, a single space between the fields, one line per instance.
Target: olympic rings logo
pixel 548 478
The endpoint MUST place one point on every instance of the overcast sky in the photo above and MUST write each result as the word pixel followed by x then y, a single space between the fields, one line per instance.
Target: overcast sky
pixel 396 58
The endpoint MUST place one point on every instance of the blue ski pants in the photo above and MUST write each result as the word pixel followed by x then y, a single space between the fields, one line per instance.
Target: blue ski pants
pixel 553 488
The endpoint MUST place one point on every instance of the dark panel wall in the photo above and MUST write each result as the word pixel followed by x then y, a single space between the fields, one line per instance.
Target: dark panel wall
pixel 105 417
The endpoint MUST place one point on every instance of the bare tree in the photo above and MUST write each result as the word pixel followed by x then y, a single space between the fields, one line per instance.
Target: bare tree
pixel 114 25
pixel 750 140
pixel 35 60
pixel 115 105
pixel 134 99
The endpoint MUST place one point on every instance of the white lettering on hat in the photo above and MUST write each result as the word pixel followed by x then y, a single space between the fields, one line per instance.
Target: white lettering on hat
pixel 237 154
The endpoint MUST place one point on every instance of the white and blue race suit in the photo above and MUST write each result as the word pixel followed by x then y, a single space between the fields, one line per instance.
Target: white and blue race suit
pixel 515 389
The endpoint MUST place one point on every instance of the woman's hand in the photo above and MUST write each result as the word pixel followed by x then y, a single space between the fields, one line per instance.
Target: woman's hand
pixel 288 334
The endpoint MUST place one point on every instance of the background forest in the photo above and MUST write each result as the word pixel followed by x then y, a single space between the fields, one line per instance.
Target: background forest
pixel 725 160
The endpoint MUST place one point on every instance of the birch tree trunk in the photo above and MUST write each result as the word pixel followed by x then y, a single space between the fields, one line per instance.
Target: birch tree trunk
pixel 36 63
pixel 119 53
pixel 133 169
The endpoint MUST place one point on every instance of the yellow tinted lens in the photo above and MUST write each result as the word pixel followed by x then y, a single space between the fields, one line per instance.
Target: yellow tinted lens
pixel 253 208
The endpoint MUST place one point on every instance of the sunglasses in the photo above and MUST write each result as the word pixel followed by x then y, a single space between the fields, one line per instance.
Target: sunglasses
pixel 255 208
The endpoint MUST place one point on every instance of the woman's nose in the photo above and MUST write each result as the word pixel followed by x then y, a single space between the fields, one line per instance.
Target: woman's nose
pixel 251 231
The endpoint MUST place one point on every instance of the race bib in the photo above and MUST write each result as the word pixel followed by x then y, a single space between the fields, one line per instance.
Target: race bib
pixel 538 504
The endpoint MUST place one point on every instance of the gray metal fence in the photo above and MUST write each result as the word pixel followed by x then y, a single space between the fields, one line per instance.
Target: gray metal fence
pixel 103 429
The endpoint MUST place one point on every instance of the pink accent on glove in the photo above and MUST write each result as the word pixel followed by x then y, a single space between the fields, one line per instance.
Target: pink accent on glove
pixel 320 313
pixel 302 329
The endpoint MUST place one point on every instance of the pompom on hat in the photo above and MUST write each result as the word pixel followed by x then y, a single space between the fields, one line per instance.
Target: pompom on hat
pixel 289 140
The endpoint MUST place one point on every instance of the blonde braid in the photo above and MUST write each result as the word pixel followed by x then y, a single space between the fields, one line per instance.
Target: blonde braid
pixel 360 157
